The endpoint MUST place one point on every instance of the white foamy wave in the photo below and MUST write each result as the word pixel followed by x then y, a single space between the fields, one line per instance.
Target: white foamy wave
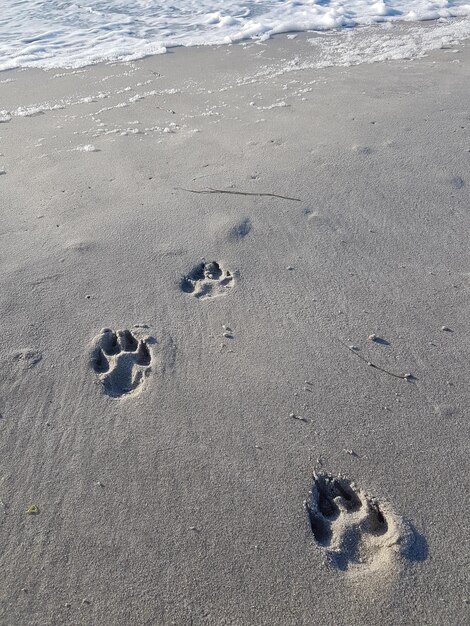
pixel 62 33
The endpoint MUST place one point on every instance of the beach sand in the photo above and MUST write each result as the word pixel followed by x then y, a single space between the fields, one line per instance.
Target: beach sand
pixel 172 466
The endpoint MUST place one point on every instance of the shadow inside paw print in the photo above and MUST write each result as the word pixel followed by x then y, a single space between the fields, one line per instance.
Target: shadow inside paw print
pixel 207 280
pixel 351 526
pixel 121 361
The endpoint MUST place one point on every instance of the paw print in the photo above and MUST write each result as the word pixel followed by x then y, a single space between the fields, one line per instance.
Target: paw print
pixel 121 361
pixel 355 530
pixel 207 280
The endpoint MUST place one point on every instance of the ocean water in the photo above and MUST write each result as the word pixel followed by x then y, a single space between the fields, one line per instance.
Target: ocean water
pixel 63 33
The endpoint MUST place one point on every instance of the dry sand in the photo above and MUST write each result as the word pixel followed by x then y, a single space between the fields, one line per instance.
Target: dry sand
pixel 172 464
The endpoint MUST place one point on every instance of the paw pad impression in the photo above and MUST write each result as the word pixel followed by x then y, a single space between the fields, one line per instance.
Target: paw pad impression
pixel 354 529
pixel 121 361
pixel 207 280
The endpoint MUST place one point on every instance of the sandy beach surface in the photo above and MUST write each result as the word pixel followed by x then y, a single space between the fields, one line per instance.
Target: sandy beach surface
pixel 161 471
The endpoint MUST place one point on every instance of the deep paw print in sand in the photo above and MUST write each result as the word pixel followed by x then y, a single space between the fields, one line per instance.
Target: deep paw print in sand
pixel 357 533
pixel 207 280
pixel 121 361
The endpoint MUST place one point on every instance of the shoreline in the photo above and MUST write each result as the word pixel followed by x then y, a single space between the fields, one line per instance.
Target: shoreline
pixel 172 471
pixel 424 37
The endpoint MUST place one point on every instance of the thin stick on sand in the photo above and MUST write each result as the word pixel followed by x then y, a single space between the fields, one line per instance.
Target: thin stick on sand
pixel 238 193
pixel 377 367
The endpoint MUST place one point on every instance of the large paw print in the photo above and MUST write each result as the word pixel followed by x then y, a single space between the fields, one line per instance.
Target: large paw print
pixel 121 361
pixel 356 531
pixel 207 280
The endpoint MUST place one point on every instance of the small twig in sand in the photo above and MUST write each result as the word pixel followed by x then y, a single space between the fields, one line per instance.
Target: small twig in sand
pixel 377 367
pixel 297 417
pixel 238 193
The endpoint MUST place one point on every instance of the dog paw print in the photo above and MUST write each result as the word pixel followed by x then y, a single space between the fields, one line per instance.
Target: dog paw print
pixel 356 531
pixel 121 361
pixel 207 280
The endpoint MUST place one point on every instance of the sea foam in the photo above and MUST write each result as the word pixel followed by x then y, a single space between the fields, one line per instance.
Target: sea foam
pixel 51 34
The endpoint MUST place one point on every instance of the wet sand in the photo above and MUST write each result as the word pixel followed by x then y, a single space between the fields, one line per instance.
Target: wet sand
pixel 263 338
